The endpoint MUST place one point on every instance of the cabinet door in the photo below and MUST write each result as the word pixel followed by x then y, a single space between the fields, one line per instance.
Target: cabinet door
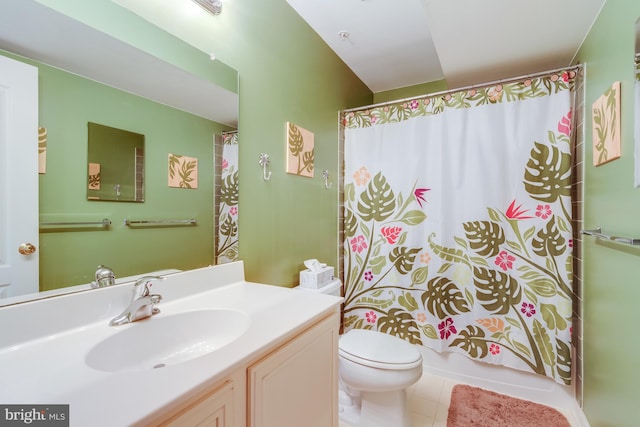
pixel 214 410
pixel 297 385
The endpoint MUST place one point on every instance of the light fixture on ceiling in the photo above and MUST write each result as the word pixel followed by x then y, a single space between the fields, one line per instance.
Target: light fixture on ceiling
pixel 212 6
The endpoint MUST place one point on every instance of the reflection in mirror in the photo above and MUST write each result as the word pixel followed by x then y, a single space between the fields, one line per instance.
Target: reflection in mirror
pixel 226 200
pixel 85 75
pixel 636 127
pixel 115 164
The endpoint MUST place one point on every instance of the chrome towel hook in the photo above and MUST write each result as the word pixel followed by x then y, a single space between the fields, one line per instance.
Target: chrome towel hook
pixel 264 162
pixel 325 177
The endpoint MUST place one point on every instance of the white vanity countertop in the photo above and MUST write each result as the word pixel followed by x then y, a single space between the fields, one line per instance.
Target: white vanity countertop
pixel 48 365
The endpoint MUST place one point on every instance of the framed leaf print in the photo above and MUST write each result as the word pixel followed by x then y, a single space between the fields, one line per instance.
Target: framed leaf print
pixel 42 150
pixel 183 171
pixel 606 126
pixel 299 150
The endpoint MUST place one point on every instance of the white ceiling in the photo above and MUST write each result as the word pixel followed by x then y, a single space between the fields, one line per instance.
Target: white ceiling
pixel 398 43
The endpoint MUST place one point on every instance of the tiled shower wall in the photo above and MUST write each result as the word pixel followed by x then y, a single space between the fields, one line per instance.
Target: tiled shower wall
pixel 139 165
pixel 577 194
pixel 217 179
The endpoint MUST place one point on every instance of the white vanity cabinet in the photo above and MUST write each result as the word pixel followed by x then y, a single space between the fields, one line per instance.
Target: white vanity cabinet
pixel 280 371
pixel 292 385
pixel 297 384
pixel 224 406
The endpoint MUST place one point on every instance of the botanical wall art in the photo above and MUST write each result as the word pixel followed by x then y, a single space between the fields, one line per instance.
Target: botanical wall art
pixel 183 171
pixel 94 176
pixel 606 126
pixel 42 150
pixel 299 150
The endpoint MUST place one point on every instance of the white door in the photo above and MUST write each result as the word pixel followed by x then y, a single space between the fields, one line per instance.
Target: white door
pixel 18 178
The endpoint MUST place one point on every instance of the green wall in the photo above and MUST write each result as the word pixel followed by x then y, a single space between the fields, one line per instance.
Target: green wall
pixel 287 73
pixel 69 256
pixel 611 292
pixel 410 91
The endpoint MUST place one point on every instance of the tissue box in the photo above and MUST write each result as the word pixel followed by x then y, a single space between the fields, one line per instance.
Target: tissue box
pixel 316 279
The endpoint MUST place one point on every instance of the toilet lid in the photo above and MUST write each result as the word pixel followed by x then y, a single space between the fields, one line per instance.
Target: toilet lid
pixel 378 349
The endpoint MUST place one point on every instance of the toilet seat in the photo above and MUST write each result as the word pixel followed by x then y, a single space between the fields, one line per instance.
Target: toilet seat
pixel 378 350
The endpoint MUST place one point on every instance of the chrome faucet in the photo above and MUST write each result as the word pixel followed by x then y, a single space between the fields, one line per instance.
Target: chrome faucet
pixel 142 302
pixel 104 277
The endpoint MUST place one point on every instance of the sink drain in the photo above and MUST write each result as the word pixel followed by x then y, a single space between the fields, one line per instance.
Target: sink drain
pixel 159 365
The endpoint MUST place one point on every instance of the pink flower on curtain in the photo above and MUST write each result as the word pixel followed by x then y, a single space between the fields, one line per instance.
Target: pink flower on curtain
pixel 564 125
pixel 414 105
pixel 358 244
pixel 419 195
pixel 391 233
pixel 543 211
pixel 446 328
pixel 495 93
pixel 494 349
pixel 233 210
pixel 371 317
pixel 361 176
pixel 225 164
pixel 528 309
pixel 425 257
pixel 504 260
pixel 516 212
pixel 421 317
pixel 368 276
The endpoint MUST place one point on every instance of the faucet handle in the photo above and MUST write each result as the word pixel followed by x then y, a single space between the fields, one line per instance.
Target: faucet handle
pixel 142 286
pixel 103 277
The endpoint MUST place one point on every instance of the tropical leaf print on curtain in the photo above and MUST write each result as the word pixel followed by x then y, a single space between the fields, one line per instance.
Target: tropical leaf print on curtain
pixel 497 289
pixel 227 201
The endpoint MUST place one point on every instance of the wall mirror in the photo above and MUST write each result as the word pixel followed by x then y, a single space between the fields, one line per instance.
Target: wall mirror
pixel 636 121
pixel 184 83
pixel 115 164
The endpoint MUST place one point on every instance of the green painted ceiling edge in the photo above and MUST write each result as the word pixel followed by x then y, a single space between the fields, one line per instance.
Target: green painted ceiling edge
pixel 130 28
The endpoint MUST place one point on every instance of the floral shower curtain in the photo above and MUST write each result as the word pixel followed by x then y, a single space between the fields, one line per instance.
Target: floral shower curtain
pixel 227 201
pixel 457 222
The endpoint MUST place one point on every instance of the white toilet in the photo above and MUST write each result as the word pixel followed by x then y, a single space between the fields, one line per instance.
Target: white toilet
pixel 375 370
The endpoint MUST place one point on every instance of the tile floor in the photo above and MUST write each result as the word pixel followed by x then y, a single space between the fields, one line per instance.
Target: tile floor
pixel 429 401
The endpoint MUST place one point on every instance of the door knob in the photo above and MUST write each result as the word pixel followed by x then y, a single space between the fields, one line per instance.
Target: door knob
pixel 26 249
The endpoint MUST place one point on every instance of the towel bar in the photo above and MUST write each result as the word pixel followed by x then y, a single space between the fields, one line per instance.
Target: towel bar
pixel 104 223
pixel 189 221
pixel 597 233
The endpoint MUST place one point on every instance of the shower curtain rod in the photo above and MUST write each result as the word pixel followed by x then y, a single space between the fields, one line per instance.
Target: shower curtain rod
pixel 460 89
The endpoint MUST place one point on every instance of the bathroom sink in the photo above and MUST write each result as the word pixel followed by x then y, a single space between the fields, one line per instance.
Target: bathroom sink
pixel 165 340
